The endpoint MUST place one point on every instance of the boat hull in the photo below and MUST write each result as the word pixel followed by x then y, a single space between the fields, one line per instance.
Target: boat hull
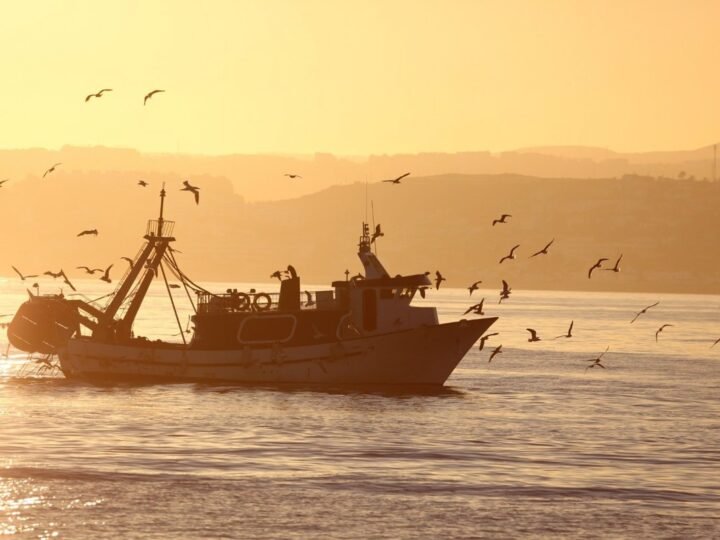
pixel 420 356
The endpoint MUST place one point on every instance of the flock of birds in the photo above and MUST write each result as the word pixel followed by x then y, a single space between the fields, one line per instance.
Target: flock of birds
pixel 477 309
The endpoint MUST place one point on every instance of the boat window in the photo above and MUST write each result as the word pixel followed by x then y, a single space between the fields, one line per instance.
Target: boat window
pixel 268 329
pixel 369 309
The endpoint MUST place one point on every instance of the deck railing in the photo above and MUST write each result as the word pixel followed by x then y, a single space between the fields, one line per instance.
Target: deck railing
pixel 153 228
pixel 238 301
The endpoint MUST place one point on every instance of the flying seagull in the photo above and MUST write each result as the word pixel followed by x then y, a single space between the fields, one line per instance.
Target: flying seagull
pixel 484 339
pixel 596 361
pixel 661 329
pixel 594 266
pixel 533 335
pixel 129 261
pixel 99 94
pixel 308 299
pixel 377 234
pixel 476 308
pixel 142 183
pixel 193 189
pixel 22 277
pixel 543 251
pixel 397 180
pixel 88 232
pixel 3 181
pixel 501 219
pixel 292 176
pixel 51 169
pixel 89 270
pixel 511 255
pixel 278 274
pixel 106 275
pixel 53 275
pixel 505 293
pixel 569 332
pixel 151 94
pixel 474 287
pixel 643 311
pixel 498 350
pixel 438 279
pixel 615 268
pixel 716 342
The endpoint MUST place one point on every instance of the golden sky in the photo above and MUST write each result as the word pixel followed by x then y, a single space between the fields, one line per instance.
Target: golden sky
pixel 360 77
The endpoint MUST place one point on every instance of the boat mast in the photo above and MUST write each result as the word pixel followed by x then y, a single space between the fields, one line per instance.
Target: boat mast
pixel 149 260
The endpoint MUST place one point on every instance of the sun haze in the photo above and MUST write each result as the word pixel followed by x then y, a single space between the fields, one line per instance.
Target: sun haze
pixel 357 78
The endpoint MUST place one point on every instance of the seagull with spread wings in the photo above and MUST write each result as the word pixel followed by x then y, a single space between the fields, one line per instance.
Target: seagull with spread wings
pixel 510 255
pixel 51 169
pixel 192 189
pixel 23 277
pixel 598 264
pixel 543 251
pixel 151 94
pixel 397 180
pixel 643 311
pixel 98 94
pixel 502 219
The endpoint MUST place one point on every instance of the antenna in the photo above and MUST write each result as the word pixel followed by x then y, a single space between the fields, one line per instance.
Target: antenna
pixel 162 206
pixel 715 163
pixel 372 209
pixel 366 199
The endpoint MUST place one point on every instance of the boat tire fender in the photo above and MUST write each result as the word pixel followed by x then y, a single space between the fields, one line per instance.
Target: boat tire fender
pixel 241 302
pixel 262 302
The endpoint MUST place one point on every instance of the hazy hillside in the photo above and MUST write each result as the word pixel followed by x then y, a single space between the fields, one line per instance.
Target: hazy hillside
pixel 261 177
pixel 666 229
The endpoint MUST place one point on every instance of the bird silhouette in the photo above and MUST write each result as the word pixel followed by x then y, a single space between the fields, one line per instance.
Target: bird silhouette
pixel 484 339
pixel 54 275
pixel 474 287
pixel 596 361
pixel 498 350
pixel 308 299
pixel 594 266
pixel 277 274
pixel 533 335
pixel 377 234
pixel 88 232
pixel 3 181
pixel 151 94
pixel 89 270
pixel 569 332
pixel 292 272
pixel 129 261
pixel 715 343
pixel 615 268
pixel 99 94
pixel 438 279
pixel 397 180
pixel 173 286
pixel 643 311
pixel 193 189
pixel 106 275
pixel 661 329
pixel 23 277
pixel 505 293
pixel 510 255
pixel 142 183
pixel 543 251
pixel 501 219
pixel 51 169
pixel 292 176
pixel 476 308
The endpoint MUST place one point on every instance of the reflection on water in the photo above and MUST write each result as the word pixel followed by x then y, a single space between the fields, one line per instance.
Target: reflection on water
pixel 530 444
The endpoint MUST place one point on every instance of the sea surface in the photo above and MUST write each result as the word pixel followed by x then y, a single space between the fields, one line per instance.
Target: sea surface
pixel 531 445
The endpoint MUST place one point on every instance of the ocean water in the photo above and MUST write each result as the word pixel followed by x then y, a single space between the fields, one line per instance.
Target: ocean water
pixel 532 445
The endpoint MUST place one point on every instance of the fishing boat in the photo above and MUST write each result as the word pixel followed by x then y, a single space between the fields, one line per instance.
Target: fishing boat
pixel 362 331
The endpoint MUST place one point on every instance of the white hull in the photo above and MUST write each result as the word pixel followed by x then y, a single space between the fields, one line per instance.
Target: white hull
pixel 420 356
